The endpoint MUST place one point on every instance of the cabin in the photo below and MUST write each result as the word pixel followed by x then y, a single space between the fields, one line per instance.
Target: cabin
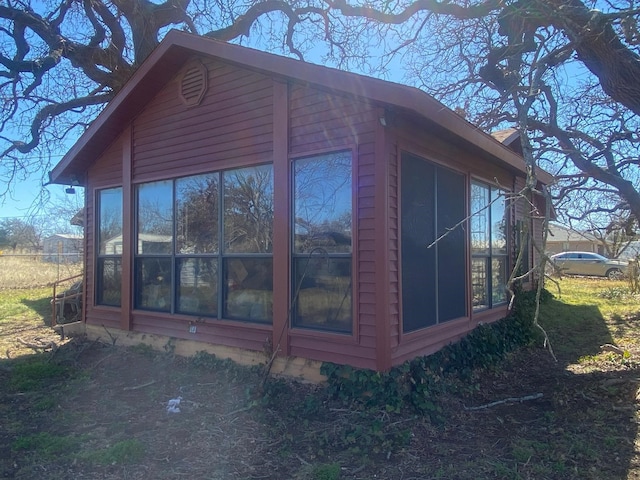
pixel 248 204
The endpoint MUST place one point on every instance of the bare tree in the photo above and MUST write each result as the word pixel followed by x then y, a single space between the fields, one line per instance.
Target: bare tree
pixel 564 71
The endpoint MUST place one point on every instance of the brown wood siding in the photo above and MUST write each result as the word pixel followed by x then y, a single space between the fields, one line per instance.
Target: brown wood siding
pixel 232 126
pixel 105 172
pixel 320 122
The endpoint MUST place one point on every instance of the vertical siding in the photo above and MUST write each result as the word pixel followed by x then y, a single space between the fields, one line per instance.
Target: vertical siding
pixel 104 173
pixel 320 121
pixel 233 125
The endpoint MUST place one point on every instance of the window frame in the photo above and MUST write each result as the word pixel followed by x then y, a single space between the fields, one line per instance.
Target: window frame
pixel 489 256
pixel 329 257
pixel 220 256
pixel 101 258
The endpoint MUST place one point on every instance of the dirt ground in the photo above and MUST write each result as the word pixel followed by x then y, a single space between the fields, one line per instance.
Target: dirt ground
pixel 68 422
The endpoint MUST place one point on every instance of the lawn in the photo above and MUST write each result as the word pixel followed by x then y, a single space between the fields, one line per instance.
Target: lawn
pixel 90 410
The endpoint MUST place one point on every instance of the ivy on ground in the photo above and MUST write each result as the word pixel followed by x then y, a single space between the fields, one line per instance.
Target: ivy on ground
pixel 418 383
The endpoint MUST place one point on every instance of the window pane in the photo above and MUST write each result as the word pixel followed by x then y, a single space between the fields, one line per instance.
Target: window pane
pixel 498 280
pixel 479 219
pixel 498 223
pixel 324 296
pixel 248 210
pixel 153 283
pixel 322 203
pixel 249 289
pixel 197 214
pixel 197 286
pixel 155 218
pixel 110 221
pixel 479 283
pixel 109 281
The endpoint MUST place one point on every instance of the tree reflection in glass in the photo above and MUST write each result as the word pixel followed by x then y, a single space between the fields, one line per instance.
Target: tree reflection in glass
pixel 248 210
pixel 323 203
pixel 323 242
pixel 197 214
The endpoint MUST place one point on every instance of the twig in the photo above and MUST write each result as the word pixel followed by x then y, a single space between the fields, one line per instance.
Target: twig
pixel 535 396
pixel 140 386
pixel 113 339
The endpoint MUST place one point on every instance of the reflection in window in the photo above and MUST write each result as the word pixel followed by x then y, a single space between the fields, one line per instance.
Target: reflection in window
pixel 488 246
pixel 155 218
pixel 197 214
pixel 109 240
pixel 322 242
pixel 249 283
pixel 248 210
pixel 194 275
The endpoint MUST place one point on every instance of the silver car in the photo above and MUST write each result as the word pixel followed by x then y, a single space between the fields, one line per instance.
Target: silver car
pixel 589 263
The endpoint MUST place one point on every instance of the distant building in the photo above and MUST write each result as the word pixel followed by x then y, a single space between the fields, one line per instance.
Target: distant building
pixel 63 248
pixel 566 239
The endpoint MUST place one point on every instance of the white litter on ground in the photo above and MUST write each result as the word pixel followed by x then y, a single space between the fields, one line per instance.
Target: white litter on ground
pixel 173 406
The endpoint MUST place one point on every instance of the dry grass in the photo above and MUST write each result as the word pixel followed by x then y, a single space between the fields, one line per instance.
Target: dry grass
pixel 18 272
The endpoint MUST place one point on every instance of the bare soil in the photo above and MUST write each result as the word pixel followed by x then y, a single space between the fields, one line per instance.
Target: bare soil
pixel 565 420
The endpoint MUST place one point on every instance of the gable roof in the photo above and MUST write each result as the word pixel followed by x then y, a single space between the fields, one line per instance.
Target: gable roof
pixel 178 47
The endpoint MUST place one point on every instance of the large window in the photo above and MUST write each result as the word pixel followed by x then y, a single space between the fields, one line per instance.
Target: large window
pixel 109 242
pixel 322 242
pixel 433 243
pixel 488 246
pixel 204 245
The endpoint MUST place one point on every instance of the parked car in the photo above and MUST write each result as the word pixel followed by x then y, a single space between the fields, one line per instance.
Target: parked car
pixel 589 263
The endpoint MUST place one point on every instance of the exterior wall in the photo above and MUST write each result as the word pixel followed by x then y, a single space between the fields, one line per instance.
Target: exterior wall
pixel 423 140
pixel 232 127
pixel 323 122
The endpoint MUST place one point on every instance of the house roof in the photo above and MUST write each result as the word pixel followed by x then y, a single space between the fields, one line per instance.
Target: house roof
pixel 178 47
pixel 67 236
pixel 561 233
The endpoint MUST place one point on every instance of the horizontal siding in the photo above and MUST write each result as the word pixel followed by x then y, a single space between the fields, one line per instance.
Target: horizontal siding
pixel 332 351
pixel 319 120
pixel 107 169
pixel 243 335
pixel 233 125
pixel 108 318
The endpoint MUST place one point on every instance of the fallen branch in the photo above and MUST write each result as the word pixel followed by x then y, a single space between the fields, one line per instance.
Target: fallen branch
pixel 136 387
pixel 535 396
pixel 38 346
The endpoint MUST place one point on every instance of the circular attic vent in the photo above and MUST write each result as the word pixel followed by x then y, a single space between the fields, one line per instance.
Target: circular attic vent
pixel 193 84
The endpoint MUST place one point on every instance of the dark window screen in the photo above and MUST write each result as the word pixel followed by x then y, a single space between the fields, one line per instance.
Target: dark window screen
pixel 418 261
pixel 433 279
pixel 452 290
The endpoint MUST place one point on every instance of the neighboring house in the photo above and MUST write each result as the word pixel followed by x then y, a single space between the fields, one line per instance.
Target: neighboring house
pixel 63 248
pixel 296 205
pixel 566 239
